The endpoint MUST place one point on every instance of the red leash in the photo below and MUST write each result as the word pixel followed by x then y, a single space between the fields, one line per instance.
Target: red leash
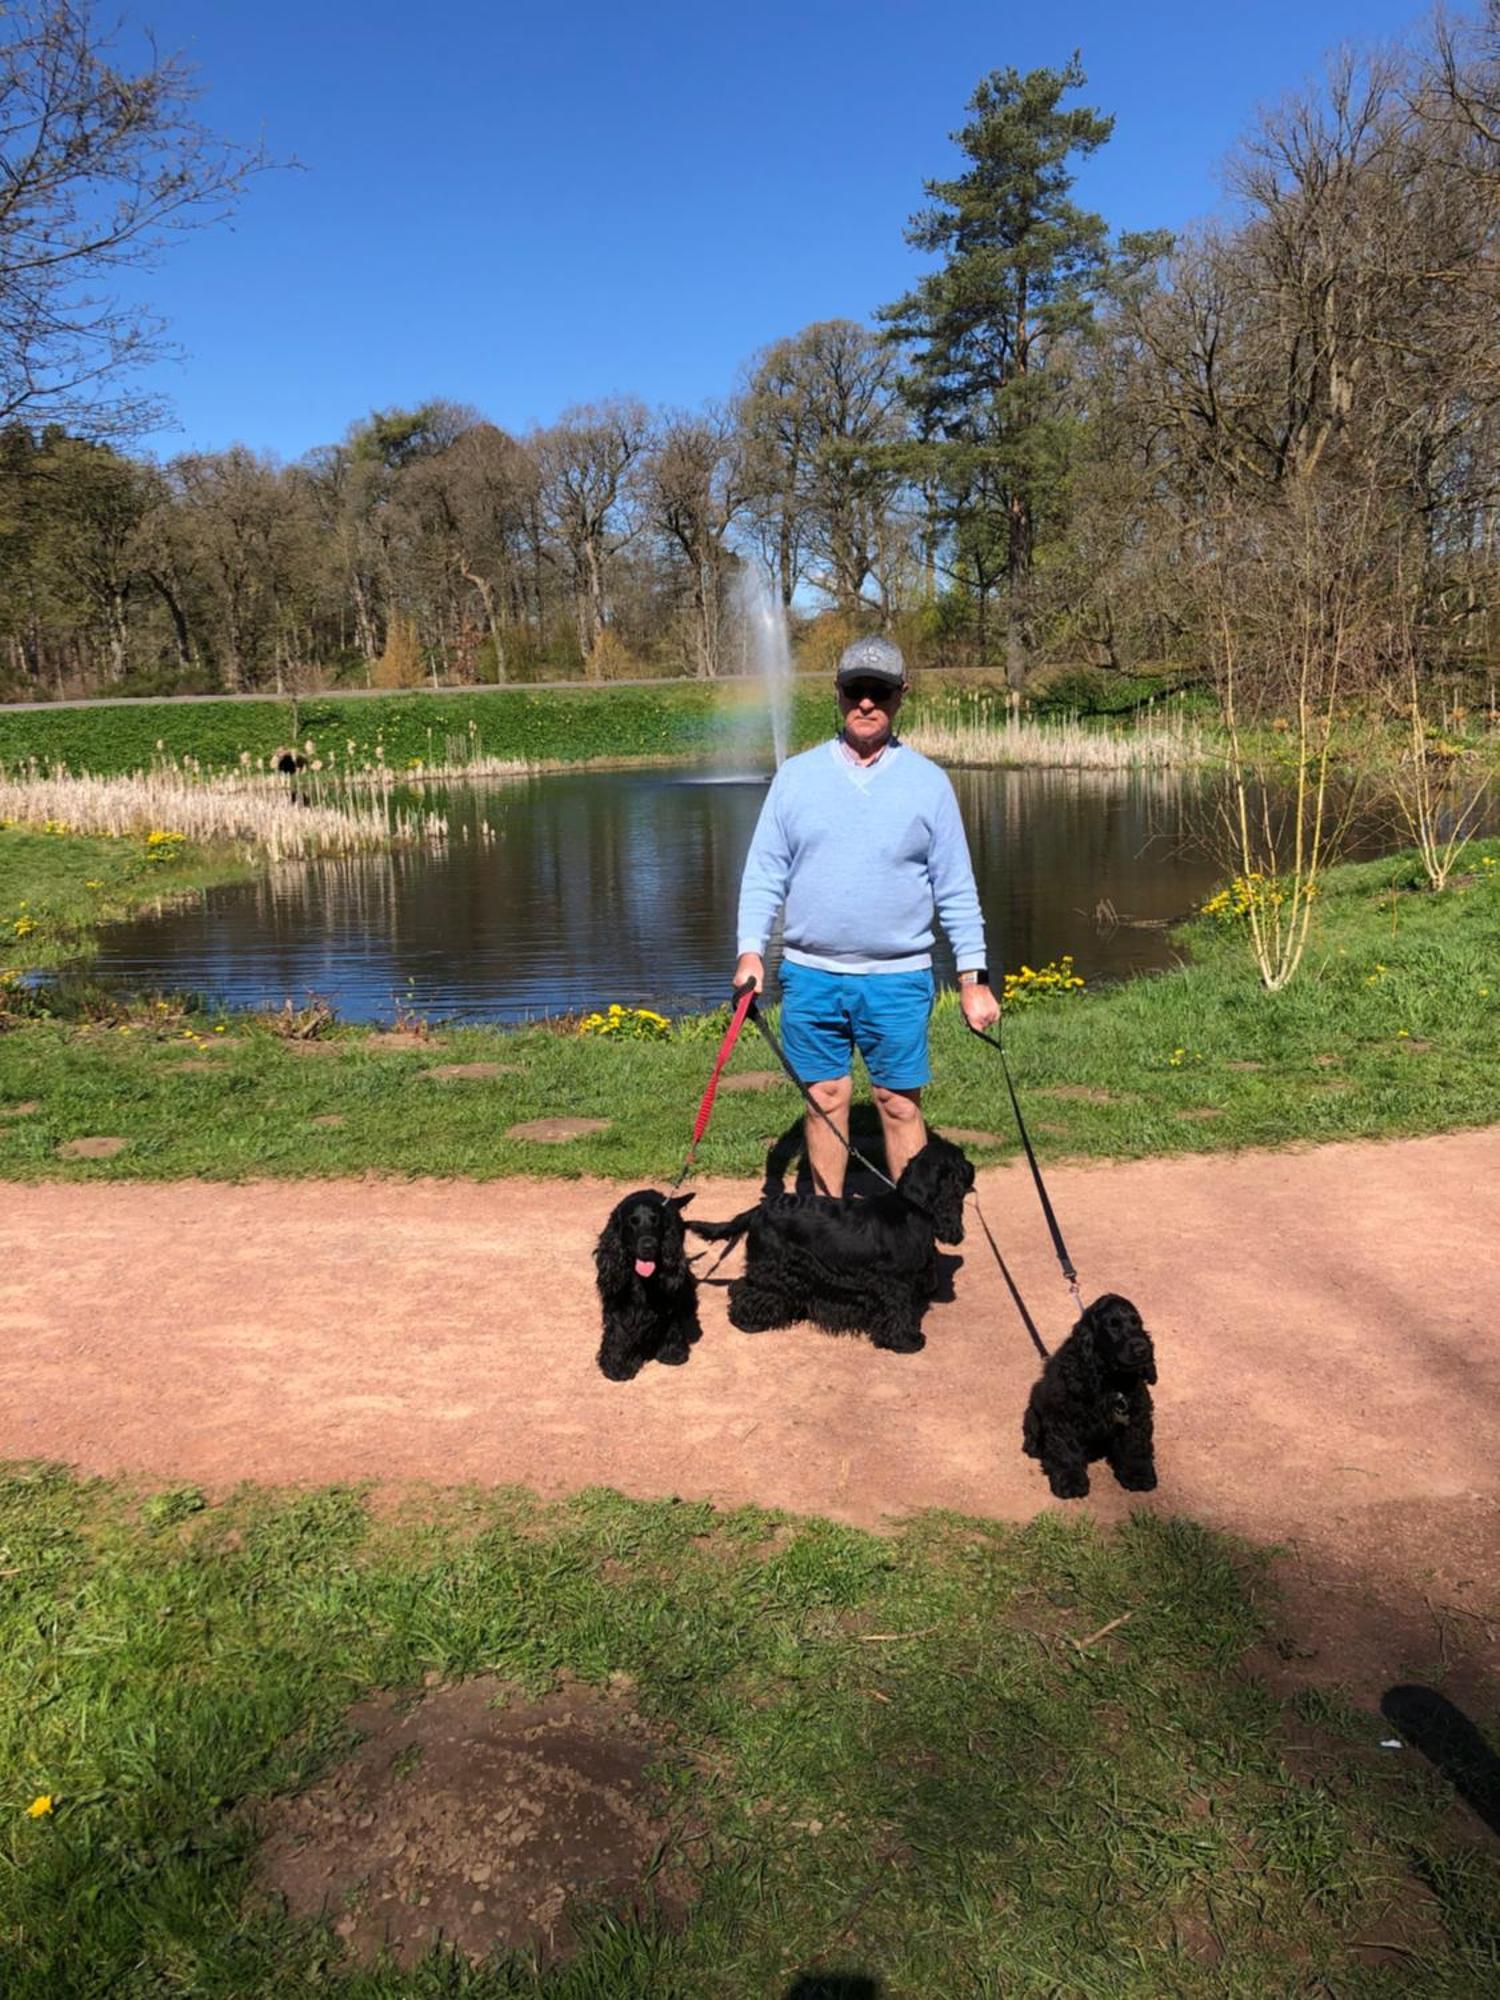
pixel 731 1036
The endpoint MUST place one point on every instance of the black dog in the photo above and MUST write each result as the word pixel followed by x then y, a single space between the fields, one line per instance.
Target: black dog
pixel 1092 1402
pixel 850 1266
pixel 646 1285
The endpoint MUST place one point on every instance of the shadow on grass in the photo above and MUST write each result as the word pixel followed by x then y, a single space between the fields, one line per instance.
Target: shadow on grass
pixel 1444 1735
pixel 790 1150
pixel 833 1986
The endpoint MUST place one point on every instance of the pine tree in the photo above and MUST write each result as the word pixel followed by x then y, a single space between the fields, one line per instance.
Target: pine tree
pixel 1021 268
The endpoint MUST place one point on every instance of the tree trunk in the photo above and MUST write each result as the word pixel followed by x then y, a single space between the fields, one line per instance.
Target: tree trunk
pixel 162 586
pixel 491 615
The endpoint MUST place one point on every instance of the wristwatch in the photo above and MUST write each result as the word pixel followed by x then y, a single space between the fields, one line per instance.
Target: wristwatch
pixel 979 975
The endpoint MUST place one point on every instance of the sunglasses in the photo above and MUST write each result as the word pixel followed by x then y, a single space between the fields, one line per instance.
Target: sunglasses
pixel 879 692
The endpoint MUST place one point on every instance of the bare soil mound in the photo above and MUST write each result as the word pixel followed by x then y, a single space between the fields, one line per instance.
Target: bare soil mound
pixel 474 1820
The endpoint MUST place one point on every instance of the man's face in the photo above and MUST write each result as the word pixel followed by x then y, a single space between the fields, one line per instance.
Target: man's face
pixel 869 710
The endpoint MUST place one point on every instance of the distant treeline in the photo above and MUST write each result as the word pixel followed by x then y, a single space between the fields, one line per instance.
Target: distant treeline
pixel 1062 444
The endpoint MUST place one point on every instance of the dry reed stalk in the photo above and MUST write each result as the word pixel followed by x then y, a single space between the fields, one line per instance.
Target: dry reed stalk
pixel 246 811
pixel 1061 745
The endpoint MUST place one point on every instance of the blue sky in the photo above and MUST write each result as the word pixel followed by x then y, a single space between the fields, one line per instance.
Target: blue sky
pixel 523 207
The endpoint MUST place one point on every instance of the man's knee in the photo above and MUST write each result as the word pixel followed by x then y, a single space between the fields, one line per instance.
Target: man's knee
pixel 834 1095
pixel 902 1107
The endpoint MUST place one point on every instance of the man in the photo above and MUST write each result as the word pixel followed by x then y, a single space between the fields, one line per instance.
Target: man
pixel 861 840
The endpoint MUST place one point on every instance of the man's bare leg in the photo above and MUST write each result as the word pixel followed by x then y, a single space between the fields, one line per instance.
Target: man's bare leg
pixel 902 1125
pixel 826 1158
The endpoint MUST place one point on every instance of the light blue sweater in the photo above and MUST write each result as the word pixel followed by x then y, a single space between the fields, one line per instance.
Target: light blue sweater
pixel 861 855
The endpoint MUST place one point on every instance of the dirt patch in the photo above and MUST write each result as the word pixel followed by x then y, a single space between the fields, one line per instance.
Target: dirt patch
pixel 329 1119
pixel 21 1110
pixel 1199 1112
pixel 1244 1065
pixel 555 1131
pixel 91 1149
pixel 195 1065
pixel 483 1825
pixel 1329 1062
pixel 404 1038
pixel 1081 1093
pixel 1413 1047
pixel 1331 1385
pixel 475 1071
pixel 753 1079
pixel 294 1048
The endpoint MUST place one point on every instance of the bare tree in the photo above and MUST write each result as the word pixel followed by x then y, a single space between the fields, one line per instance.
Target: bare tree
pixel 815 412
pixel 696 489
pixel 100 166
pixel 585 463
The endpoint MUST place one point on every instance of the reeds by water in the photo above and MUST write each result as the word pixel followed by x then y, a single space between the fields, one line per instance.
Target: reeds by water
pixel 249 810
pixel 962 734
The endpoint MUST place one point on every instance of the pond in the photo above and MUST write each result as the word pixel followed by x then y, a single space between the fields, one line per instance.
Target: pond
pixel 622 885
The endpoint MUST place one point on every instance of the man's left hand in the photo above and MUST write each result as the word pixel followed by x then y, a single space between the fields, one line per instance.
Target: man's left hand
pixel 981 1008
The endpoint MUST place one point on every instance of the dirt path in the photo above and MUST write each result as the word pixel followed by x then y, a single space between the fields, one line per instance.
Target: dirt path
pixel 1324 1319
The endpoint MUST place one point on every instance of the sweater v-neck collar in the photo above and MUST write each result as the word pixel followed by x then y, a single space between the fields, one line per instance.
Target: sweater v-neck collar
pixel 860 775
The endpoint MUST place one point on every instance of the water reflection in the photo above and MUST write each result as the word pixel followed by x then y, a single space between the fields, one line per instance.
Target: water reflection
pixel 606 886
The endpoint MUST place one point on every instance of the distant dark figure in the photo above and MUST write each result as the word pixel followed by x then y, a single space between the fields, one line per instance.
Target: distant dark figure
pixel 289 763
pixel 646 1285
pixel 1092 1402
pixel 850 1265
pixel 833 1986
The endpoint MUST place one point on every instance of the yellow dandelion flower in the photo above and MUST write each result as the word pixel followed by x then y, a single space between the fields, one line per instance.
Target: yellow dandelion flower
pixel 41 1805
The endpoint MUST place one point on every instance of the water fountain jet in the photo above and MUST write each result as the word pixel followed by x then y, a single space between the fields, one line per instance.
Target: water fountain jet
pixel 762 620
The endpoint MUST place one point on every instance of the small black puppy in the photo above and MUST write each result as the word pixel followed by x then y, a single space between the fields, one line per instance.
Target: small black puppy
pixel 646 1285
pixel 1092 1402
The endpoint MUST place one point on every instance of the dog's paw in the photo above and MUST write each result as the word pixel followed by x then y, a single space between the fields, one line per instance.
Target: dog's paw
pixel 1137 1478
pixel 1069 1485
pixel 672 1357
pixel 900 1343
pixel 619 1371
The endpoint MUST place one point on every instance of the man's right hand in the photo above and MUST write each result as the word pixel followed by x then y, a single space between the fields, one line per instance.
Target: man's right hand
pixel 750 965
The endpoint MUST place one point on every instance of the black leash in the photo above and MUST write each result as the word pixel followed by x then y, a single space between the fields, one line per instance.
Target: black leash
pixel 1026 1320
pixel 807 1097
pixel 1068 1270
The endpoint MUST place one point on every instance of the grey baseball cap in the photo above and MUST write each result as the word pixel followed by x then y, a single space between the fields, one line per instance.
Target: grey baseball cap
pixel 872 659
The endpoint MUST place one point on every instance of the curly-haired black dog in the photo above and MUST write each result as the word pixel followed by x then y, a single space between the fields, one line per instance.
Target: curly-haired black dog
pixel 1092 1402
pixel 646 1285
pixel 850 1265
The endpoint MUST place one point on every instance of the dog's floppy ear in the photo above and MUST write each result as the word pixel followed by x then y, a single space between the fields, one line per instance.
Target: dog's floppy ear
pixel 936 1182
pixel 610 1260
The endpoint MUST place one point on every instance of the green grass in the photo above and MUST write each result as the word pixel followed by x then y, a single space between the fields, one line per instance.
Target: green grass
pixel 550 725
pixel 1392 1027
pixel 567 726
pixel 58 889
pixel 976 1806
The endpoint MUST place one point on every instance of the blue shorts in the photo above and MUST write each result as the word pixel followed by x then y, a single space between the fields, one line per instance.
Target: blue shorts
pixel 825 1016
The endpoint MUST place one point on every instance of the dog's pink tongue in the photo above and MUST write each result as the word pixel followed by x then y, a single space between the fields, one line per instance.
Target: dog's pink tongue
pixel 644 1266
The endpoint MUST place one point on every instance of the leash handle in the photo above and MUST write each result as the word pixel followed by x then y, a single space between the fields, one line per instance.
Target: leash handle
pixel 1068 1271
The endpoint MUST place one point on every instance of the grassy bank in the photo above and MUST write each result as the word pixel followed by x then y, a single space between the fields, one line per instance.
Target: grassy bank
pixel 1392 1027
pixel 543 727
pixel 966 1759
